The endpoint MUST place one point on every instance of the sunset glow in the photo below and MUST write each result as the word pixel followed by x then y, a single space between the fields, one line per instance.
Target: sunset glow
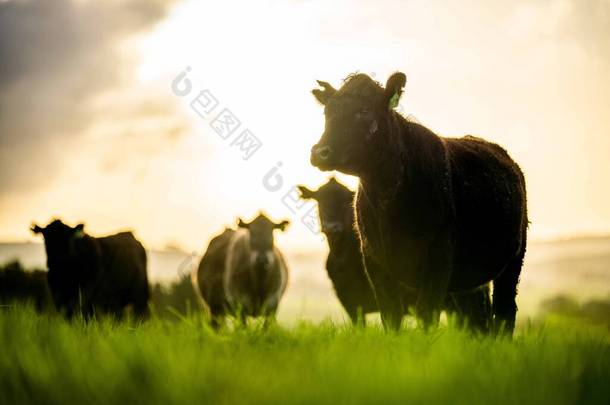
pixel 532 77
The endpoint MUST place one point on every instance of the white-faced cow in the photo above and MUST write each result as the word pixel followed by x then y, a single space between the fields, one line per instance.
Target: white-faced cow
pixel 437 214
pixel 243 272
pixel 95 275
pixel 347 273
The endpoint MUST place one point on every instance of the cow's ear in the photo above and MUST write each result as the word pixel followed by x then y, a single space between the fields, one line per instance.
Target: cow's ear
pixel 323 95
pixel 79 231
pixel 282 225
pixel 306 194
pixel 242 224
pixel 393 89
pixel 36 229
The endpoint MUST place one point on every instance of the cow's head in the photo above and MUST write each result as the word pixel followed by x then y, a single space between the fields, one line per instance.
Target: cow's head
pixel 261 239
pixel 335 206
pixel 59 238
pixel 356 116
pixel 64 277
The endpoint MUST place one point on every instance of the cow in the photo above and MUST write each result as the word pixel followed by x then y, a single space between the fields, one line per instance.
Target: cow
pixel 242 272
pixel 346 270
pixel 94 275
pixel 19 285
pixel 344 263
pixel 437 214
pixel 210 276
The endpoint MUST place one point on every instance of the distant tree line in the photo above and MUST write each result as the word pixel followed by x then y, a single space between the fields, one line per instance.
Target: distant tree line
pixel 594 310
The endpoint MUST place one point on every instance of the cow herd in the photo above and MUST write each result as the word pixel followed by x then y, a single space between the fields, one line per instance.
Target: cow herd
pixel 434 224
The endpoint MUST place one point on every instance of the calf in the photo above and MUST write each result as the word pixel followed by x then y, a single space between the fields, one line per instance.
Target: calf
pixel 437 214
pixel 89 274
pixel 344 263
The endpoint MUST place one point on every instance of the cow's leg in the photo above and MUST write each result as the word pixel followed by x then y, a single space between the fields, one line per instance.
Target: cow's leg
pixel 473 308
pixel 387 294
pixel 504 297
pixel 480 317
pixel 453 309
pixel 116 311
pixel 504 303
pixel 357 316
pixel 216 322
pixel 88 312
pixel 435 278
pixel 140 306
pixel 270 318
pixel 217 319
pixel 242 318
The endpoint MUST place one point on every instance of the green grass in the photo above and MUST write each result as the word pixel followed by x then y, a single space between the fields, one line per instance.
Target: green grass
pixel 48 360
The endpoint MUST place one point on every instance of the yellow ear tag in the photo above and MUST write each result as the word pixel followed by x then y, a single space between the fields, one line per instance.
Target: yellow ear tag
pixel 394 100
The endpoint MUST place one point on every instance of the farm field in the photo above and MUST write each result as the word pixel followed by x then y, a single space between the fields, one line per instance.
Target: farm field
pixel 578 268
pixel 313 355
pixel 304 202
pixel 48 360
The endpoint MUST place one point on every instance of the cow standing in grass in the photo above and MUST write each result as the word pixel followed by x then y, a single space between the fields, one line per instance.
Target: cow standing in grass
pixel 20 285
pixel 437 214
pixel 346 269
pixel 344 263
pixel 95 275
pixel 243 273
pixel 210 276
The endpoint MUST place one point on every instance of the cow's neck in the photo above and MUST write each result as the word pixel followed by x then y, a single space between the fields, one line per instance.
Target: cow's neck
pixel 404 152
pixel 385 173
pixel 342 241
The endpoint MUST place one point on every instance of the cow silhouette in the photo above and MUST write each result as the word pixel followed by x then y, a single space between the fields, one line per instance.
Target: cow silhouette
pixel 18 285
pixel 437 214
pixel 94 275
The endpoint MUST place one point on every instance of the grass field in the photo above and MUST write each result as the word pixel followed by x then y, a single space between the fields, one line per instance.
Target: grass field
pixel 48 360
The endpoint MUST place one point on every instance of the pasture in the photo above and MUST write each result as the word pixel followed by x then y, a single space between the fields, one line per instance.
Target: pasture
pixel 304 202
pixel 49 360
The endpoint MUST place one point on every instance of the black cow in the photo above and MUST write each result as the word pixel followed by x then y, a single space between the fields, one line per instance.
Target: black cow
pixel 437 214
pixel 344 263
pixel 242 272
pixel 95 275
pixel 210 275
pixel 346 269
pixel 19 285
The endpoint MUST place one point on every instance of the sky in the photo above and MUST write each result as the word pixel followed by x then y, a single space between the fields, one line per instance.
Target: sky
pixel 95 129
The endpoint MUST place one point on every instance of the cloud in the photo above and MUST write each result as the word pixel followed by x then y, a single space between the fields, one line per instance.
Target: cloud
pixel 57 57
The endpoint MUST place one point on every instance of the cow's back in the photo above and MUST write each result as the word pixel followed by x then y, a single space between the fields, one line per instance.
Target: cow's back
pixel 124 268
pixel 211 270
